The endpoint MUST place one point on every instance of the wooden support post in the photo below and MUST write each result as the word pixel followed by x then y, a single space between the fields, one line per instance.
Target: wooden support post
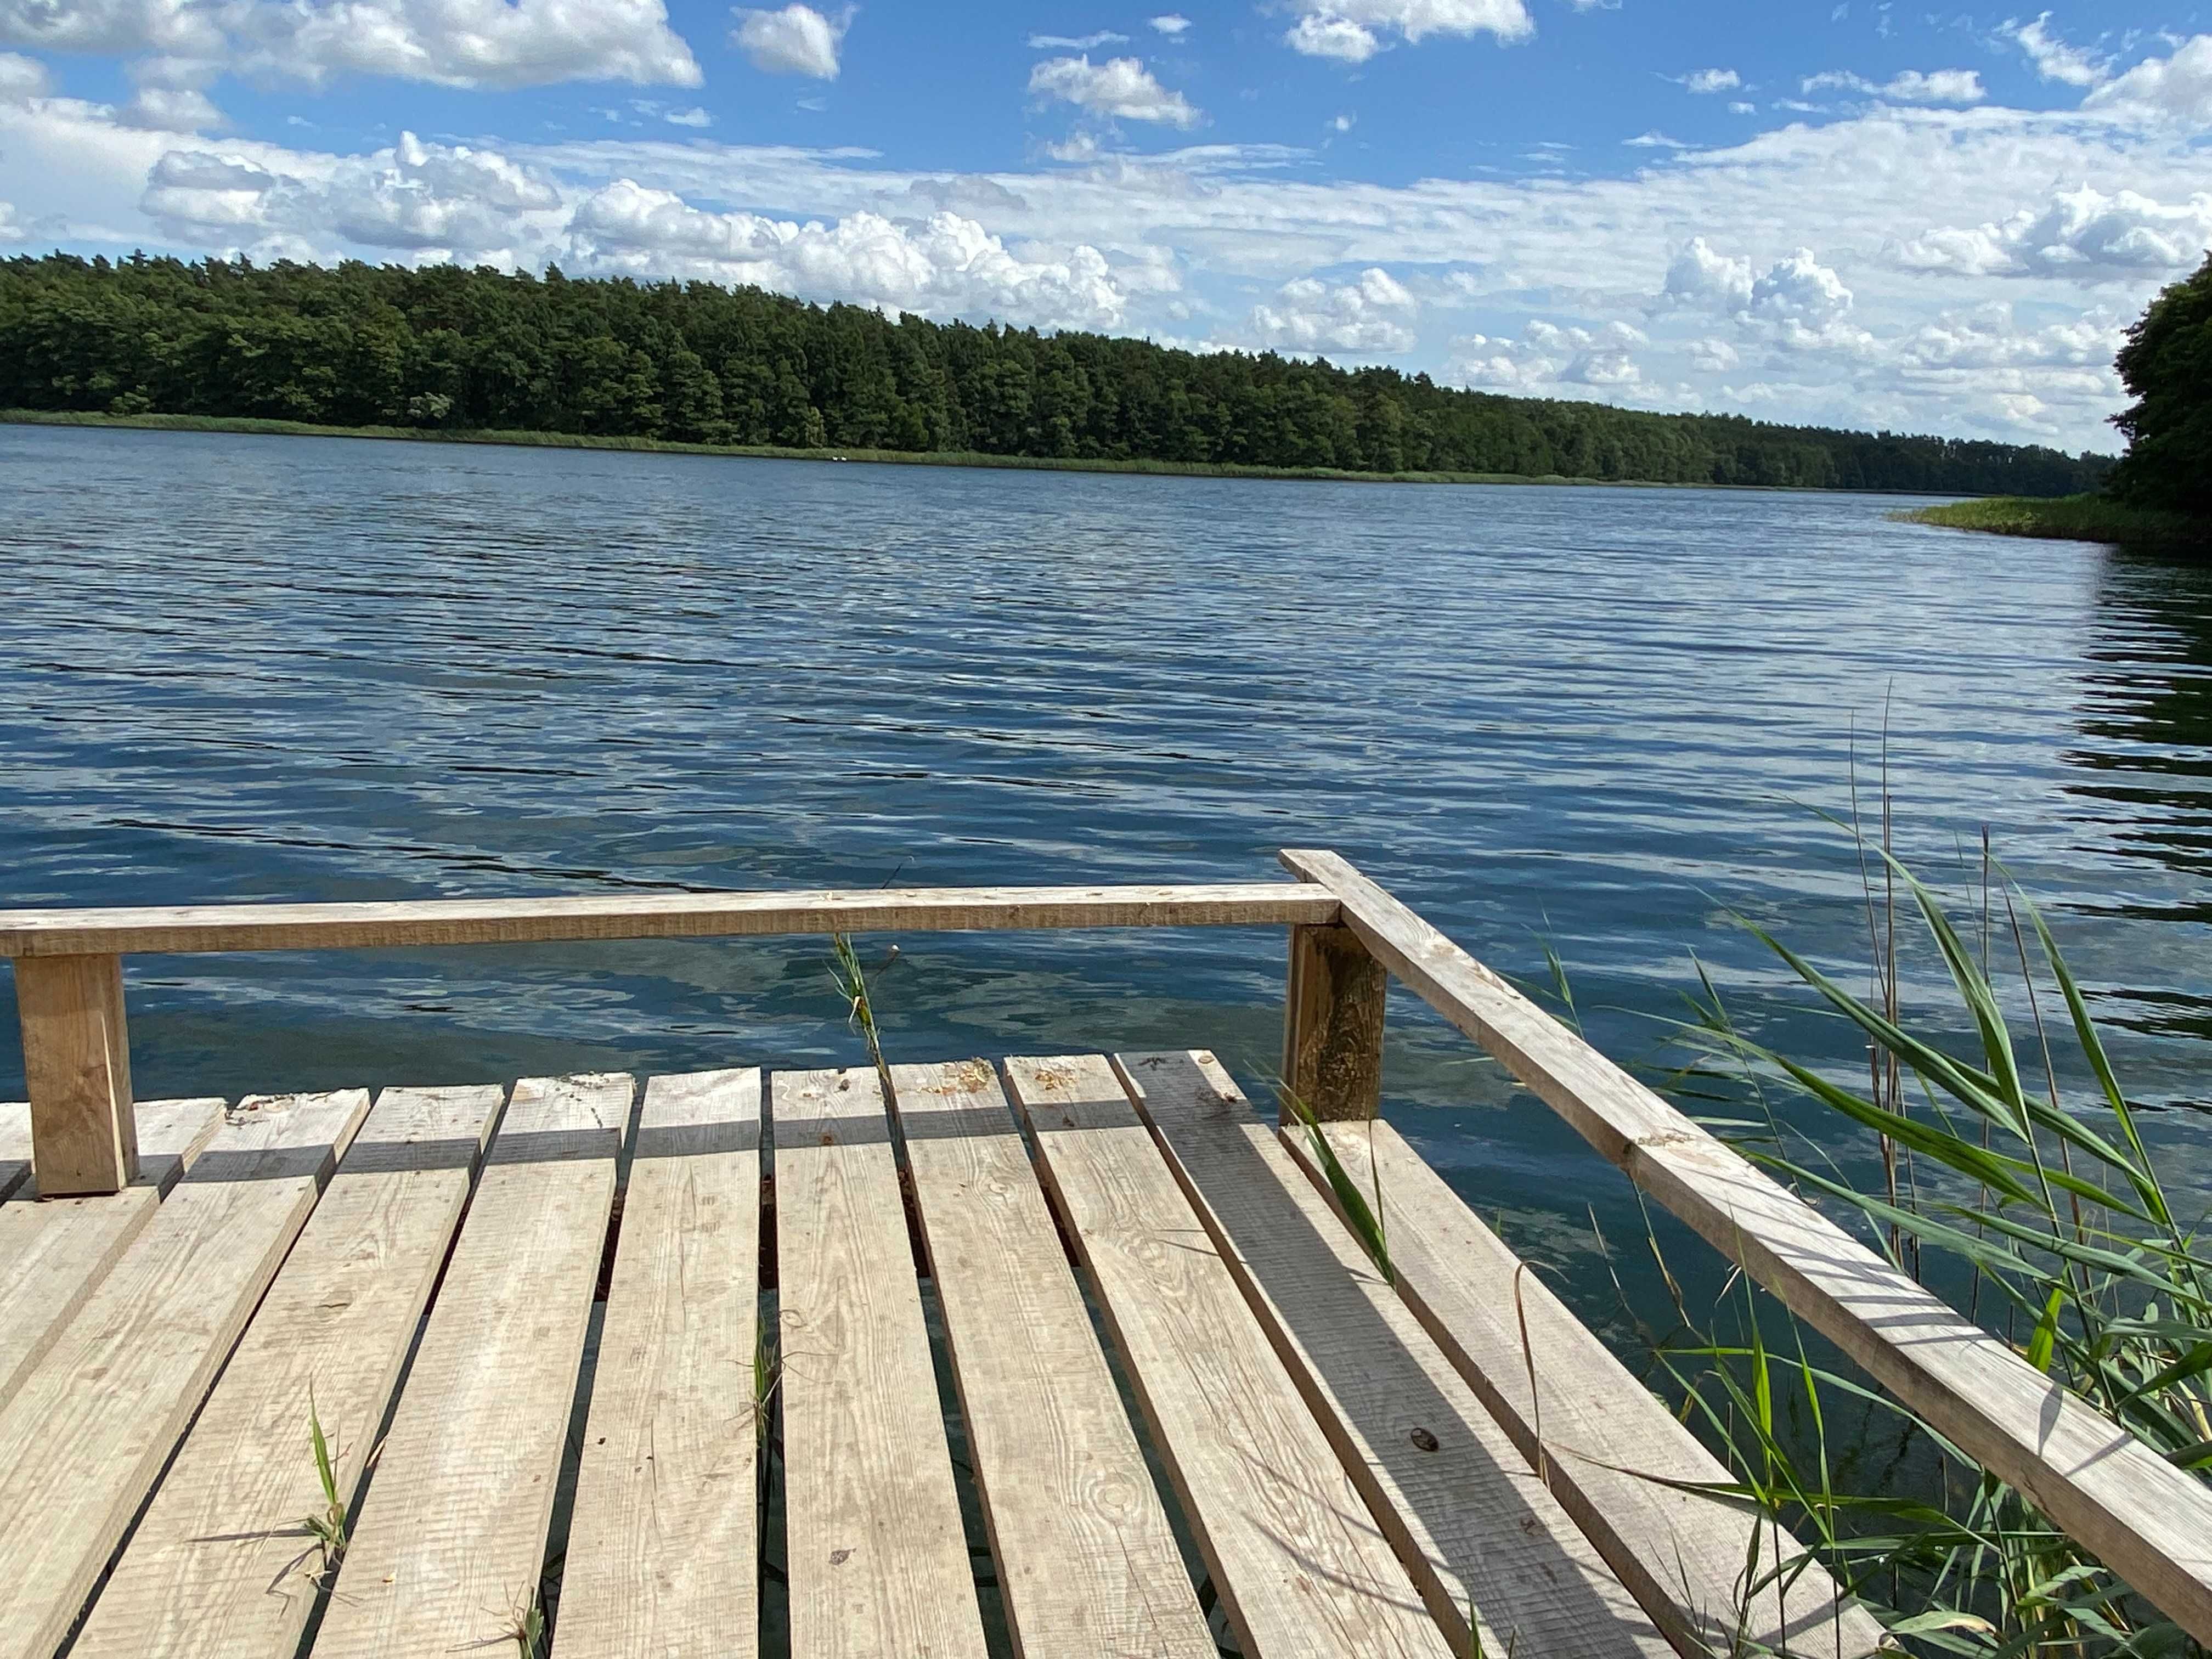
pixel 77 1069
pixel 1333 1027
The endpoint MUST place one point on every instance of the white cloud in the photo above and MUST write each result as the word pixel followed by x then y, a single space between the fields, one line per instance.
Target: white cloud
pixel 2176 89
pixel 432 201
pixel 171 109
pixel 2081 234
pixel 1549 359
pixel 1076 43
pixel 1712 80
pixel 689 118
pixel 797 41
pixel 1353 30
pixel 1714 356
pixel 1800 289
pixel 1702 278
pixel 1122 88
pixel 1373 316
pixel 21 78
pixel 455 43
pixel 1654 139
pixel 948 266
pixel 2054 59
pixel 1913 86
pixel 1343 123
pixel 1743 109
pixel 1173 25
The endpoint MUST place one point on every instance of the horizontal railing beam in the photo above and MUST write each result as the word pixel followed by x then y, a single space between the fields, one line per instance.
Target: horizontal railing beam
pixel 652 915
pixel 2147 1521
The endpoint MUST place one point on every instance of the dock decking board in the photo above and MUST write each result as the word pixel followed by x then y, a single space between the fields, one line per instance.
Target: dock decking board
pixel 1607 1443
pixel 1088 1563
pixel 450 1539
pixel 1299 1562
pixel 1472 1520
pixel 87 1434
pixel 15 1144
pixel 57 1251
pixel 661 1552
pixel 1279 1377
pixel 220 1566
pixel 876 1557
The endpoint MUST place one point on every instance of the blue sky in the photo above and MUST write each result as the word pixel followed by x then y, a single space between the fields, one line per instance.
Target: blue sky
pixel 1855 212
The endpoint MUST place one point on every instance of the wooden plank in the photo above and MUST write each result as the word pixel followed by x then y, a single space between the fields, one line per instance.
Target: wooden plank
pixel 1470 1519
pixel 877 1558
pixel 76 1071
pixel 1300 1564
pixel 220 1566
pixel 1087 1561
pixel 30 934
pixel 450 1540
pixel 55 1252
pixel 15 1146
pixel 661 1553
pixel 2147 1520
pixel 1333 1024
pixel 88 1433
pixel 1607 1443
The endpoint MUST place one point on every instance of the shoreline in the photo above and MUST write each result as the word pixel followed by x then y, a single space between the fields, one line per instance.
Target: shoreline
pixel 253 426
pixel 2067 519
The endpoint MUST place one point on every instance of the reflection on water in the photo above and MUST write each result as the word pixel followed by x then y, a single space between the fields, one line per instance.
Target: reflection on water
pixel 241 668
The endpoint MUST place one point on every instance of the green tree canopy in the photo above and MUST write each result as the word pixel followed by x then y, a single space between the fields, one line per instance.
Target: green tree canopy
pixel 495 350
pixel 2167 365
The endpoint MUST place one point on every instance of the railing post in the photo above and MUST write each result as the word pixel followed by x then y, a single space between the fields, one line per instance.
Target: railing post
pixel 77 1068
pixel 1333 1025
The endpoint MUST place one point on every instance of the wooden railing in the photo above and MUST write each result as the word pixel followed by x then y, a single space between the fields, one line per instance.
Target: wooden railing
pixel 2148 1520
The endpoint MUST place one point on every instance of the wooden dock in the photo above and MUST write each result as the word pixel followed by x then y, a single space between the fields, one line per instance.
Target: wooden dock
pixel 1062 1356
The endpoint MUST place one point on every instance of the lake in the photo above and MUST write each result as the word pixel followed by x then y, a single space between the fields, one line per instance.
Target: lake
pixel 241 668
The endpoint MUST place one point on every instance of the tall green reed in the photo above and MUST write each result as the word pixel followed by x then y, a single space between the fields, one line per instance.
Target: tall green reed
pixel 2025 1192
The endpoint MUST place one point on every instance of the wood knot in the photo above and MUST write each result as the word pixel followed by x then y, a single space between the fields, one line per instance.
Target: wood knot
pixel 1422 1439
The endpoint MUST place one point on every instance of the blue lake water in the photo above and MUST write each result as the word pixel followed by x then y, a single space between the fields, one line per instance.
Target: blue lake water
pixel 240 668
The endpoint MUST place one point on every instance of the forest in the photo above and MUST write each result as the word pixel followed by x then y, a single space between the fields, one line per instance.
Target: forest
pixel 490 350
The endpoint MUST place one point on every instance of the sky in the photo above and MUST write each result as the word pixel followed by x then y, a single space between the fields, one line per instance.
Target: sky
pixel 1840 211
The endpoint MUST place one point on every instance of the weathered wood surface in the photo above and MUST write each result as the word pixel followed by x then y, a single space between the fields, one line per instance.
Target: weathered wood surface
pixel 53 1253
pixel 1469 1516
pixel 220 1566
pixel 876 1558
pixel 33 934
pixel 1087 1561
pixel 87 1434
pixel 2148 1520
pixel 450 1542
pixel 76 1071
pixel 662 1551
pixel 15 1146
pixel 1301 1566
pixel 1333 1025
pixel 1607 1445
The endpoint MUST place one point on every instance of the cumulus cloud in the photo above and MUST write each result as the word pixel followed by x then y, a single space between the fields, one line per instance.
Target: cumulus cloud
pixel 689 118
pixel 429 201
pixel 797 41
pixel 2176 90
pixel 1800 290
pixel 1172 25
pixel 20 78
pixel 454 43
pixel 2083 233
pixel 1712 80
pixel 1913 86
pixel 1373 314
pixel 1549 356
pixel 1353 31
pixel 1708 281
pixel 2054 59
pixel 947 266
pixel 1990 337
pixel 1121 89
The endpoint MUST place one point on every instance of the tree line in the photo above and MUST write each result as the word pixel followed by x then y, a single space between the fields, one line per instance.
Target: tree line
pixel 483 349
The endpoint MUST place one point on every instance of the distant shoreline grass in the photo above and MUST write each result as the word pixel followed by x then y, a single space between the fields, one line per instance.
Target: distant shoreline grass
pixel 2067 517
pixel 250 425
